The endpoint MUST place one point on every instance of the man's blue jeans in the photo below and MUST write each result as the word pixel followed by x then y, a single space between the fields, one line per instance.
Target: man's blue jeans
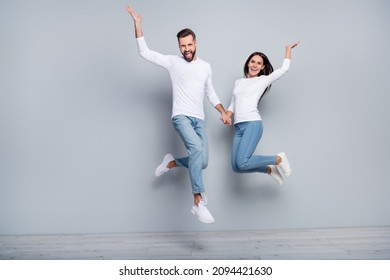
pixel 193 133
pixel 246 138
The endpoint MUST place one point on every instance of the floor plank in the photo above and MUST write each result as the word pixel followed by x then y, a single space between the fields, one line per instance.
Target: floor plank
pixel 300 244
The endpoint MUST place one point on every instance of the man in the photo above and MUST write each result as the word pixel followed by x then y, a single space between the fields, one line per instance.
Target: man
pixel 191 80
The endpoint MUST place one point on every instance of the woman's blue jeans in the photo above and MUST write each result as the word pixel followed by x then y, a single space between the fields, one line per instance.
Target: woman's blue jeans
pixel 193 133
pixel 246 138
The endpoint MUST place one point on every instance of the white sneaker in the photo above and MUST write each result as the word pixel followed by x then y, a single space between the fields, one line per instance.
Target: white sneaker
pixel 202 213
pixel 284 165
pixel 162 168
pixel 276 174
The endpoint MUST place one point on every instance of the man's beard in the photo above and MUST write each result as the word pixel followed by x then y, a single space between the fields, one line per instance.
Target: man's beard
pixel 192 56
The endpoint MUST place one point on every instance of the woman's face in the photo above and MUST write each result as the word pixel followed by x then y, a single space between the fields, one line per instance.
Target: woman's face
pixel 255 65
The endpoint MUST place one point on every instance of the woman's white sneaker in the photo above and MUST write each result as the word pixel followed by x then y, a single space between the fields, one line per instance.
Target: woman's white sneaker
pixel 202 213
pixel 285 164
pixel 162 168
pixel 276 174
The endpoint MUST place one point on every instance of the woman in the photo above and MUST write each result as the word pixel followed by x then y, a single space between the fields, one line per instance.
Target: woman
pixel 247 93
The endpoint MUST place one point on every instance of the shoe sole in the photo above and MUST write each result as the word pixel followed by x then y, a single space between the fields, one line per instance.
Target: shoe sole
pixel 203 221
pixel 281 178
pixel 288 172
pixel 167 158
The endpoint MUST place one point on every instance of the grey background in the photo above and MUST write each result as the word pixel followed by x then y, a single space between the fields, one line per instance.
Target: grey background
pixel 84 120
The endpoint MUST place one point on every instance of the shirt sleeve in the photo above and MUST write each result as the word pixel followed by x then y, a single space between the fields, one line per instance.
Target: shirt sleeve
pixel 231 106
pixel 210 91
pixel 277 74
pixel 152 56
pixel 232 101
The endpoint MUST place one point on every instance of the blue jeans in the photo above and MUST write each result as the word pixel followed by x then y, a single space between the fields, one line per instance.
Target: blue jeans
pixel 245 140
pixel 193 133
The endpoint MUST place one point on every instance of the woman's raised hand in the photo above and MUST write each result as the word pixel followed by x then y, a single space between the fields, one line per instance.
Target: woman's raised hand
pixel 136 17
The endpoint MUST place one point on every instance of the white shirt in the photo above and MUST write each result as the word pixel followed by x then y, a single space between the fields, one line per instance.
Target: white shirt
pixel 247 93
pixel 190 81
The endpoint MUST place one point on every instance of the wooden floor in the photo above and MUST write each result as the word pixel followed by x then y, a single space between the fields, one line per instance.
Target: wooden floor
pixel 371 243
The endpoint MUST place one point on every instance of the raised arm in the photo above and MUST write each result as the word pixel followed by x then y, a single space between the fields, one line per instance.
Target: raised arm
pixel 278 73
pixel 289 48
pixel 137 21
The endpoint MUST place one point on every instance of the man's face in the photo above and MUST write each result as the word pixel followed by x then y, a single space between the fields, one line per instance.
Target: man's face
pixel 187 46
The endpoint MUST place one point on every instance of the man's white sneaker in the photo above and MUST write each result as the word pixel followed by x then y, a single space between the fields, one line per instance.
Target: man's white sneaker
pixel 276 174
pixel 284 165
pixel 202 213
pixel 162 168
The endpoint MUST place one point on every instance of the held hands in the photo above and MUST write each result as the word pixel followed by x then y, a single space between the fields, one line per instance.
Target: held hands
pixel 226 119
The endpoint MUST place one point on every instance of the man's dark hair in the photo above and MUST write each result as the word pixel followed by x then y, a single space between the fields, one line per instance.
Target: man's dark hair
pixel 185 32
